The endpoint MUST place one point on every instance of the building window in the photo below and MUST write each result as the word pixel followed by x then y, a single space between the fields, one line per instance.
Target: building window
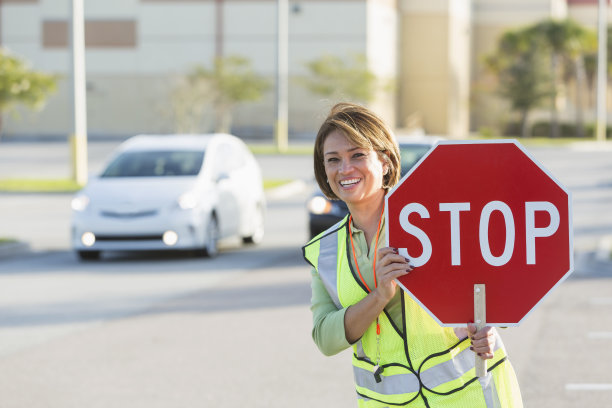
pixel 98 34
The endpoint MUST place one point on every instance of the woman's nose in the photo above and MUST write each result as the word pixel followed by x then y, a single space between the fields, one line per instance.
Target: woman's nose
pixel 346 166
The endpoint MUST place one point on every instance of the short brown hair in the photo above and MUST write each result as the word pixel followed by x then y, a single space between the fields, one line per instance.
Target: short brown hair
pixel 364 129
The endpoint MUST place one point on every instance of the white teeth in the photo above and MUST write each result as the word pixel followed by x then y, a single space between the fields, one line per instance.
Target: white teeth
pixel 349 182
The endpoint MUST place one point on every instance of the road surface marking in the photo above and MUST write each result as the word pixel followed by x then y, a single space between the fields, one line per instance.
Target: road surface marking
pixel 599 335
pixel 601 301
pixel 588 387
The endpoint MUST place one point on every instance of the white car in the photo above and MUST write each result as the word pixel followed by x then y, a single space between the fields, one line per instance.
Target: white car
pixel 170 192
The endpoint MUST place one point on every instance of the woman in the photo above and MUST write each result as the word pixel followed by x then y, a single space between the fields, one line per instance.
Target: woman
pixel 401 356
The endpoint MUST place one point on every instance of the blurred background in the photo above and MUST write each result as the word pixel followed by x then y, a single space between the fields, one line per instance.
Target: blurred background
pixel 443 66
pixel 171 328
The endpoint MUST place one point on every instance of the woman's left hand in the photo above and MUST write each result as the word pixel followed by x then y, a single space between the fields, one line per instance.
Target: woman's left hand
pixel 483 340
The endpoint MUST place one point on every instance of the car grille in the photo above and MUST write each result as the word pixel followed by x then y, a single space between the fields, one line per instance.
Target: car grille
pixel 128 237
pixel 135 214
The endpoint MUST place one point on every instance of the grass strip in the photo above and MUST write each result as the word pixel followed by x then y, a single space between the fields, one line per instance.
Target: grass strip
pixel 38 186
pixel 69 186
pixel 538 141
pixel 268 184
pixel 269 149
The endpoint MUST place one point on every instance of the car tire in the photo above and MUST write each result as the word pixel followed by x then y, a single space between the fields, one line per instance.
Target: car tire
pixel 258 231
pixel 211 238
pixel 88 255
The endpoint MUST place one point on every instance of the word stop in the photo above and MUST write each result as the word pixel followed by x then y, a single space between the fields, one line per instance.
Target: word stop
pixel 455 209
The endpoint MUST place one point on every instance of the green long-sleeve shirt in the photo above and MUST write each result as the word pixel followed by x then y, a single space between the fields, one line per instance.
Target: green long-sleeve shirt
pixel 328 321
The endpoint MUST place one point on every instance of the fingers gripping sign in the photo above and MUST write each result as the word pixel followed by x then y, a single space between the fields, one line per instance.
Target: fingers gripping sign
pixel 483 340
pixel 390 265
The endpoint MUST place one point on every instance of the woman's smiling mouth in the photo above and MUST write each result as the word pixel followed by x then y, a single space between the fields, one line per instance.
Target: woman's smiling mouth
pixel 349 182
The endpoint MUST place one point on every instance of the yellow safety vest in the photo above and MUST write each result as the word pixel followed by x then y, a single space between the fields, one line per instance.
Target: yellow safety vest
pixel 424 364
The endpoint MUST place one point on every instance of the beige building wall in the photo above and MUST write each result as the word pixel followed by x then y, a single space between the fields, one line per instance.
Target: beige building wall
pixel 434 78
pixel 432 51
pixel 459 35
pixel 137 48
pixel 586 12
pixel 382 52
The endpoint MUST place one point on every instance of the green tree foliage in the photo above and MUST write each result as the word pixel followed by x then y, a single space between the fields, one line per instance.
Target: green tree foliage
pixel 536 62
pixel 19 85
pixel 590 58
pixel 566 42
pixel 230 80
pixel 190 98
pixel 336 78
pixel 521 72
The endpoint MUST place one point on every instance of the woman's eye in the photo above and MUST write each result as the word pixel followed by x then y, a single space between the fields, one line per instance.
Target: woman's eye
pixel 332 160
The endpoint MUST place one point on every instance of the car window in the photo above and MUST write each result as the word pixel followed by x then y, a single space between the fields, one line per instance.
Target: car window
pixel 155 164
pixel 411 154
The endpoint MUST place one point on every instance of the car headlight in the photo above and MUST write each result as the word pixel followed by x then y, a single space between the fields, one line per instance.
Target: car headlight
pixel 88 239
pixel 188 201
pixel 170 238
pixel 79 203
pixel 319 205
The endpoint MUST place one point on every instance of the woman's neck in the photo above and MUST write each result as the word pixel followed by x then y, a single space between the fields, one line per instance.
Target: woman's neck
pixel 366 217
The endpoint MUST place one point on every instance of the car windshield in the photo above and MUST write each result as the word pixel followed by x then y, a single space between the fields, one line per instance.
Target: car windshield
pixel 155 164
pixel 411 154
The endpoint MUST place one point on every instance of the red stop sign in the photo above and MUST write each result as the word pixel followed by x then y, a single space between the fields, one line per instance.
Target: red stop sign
pixel 480 213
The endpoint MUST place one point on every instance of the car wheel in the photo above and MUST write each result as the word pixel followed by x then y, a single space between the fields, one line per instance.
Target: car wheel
pixel 258 232
pixel 88 255
pixel 211 238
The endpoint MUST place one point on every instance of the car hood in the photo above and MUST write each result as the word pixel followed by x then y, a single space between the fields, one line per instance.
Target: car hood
pixel 134 194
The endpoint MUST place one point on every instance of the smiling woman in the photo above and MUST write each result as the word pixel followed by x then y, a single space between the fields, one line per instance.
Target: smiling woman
pixel 372 135
pixel 400 354
pixel 354 174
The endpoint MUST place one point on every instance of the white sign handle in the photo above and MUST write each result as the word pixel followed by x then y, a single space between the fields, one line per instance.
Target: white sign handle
pixel 480 319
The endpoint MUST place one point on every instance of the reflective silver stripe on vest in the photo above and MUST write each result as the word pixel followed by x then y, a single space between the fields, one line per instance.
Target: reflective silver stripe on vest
pixel 452 369
pixel 490 392
pixel 391 385
pixel 328 266
pixel 359 349
pixel 487 383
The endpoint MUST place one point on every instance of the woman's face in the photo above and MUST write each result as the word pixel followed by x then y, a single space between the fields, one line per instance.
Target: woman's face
pixel 355 174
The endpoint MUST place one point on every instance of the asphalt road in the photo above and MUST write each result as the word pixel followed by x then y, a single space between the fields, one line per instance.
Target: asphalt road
pixel 166 331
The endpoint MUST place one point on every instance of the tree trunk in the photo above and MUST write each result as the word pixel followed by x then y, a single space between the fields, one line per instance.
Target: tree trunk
pixel 223 120
pixel 524 127
pixel 554 114
pixel 580 85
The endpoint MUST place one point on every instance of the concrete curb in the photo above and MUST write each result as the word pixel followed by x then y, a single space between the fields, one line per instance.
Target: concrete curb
pixel 11 249
pixel 591 146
